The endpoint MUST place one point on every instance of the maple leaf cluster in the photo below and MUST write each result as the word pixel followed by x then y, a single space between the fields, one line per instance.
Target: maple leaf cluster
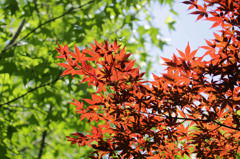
pixel 192 108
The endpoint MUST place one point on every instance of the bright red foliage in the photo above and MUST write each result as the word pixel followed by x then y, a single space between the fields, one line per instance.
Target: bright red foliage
pixel 192 108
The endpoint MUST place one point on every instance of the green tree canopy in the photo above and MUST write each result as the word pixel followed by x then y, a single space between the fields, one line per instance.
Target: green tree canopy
pixel 34 115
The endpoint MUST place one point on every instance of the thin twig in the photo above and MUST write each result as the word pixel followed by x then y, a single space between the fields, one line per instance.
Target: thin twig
pixel 20 106
pixel 49 21
pixel 31 90
pixel 202 120
pixel 207 120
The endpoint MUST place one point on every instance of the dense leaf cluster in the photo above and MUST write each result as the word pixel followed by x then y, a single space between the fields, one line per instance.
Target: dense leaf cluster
pixel 35 115
pixel 193 108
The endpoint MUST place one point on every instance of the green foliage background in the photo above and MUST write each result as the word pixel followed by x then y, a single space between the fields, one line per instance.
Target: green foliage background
pixel 35 116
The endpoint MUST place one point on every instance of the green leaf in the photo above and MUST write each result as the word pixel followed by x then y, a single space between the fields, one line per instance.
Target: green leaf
pixel 3 152
pixel 11 5
pixel 10 131
pixel 32 120
pixel 170 22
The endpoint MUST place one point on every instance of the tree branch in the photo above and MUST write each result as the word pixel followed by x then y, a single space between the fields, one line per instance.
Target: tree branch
pixel 16 34
pixel 202 120
pixel 14 37
pixel 44 137
pixel 39 26
pixel 31 90
pixel 42 144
